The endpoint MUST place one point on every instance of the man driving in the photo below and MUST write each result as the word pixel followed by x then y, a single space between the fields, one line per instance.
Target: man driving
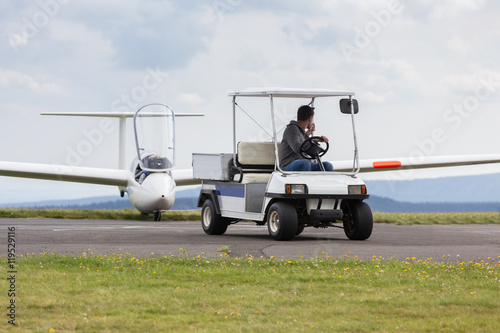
pixel 295 134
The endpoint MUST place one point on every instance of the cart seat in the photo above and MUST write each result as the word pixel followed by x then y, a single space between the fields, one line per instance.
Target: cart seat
pixel 254 178
pixel 256 160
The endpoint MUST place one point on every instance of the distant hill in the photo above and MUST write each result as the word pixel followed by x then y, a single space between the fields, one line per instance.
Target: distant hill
pixel 184 200
pixel 187 200
pixel 451 194
pixel 480 188
pixel 386 205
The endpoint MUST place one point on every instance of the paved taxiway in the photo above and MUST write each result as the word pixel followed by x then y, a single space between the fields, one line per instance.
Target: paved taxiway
pixel 454 242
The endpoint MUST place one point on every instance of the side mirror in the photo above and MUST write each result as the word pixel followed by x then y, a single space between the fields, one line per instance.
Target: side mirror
pixel 345 105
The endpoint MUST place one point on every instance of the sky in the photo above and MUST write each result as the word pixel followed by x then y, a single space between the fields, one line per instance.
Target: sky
pixel 426 75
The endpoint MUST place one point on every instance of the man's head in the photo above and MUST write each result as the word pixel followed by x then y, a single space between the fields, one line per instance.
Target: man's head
pixel 304 113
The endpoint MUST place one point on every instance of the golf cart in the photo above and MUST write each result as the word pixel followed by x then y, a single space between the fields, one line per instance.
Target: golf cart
pixel 249 184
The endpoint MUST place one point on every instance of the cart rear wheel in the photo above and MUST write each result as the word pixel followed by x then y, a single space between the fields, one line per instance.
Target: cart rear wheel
pixel 212 223
pixel 282 221
pixel 358 220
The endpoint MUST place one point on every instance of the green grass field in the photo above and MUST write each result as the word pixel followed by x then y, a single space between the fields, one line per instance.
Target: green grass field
pixel 122 214
pixel 90 292
pixel 182 292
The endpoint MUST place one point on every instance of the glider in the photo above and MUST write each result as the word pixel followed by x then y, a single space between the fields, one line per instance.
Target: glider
pixel 150 182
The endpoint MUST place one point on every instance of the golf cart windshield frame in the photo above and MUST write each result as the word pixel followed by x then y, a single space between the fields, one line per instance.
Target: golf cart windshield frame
pixel 272 93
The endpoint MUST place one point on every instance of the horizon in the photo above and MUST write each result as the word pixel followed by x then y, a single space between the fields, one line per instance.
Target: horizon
pixel 404 191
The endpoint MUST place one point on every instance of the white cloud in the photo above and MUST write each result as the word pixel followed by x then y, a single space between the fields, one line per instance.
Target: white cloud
pixel 151 33
pixel 432 10
pixel 191 98
pixel 467 83
pixel 459 45
pixel 15 80
pixel 450 8
pixel 426 60
pixel 372 97
pixel 81 40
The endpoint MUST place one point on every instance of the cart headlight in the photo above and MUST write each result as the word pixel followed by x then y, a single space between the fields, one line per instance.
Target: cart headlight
pixel 296 189
pixel 357 189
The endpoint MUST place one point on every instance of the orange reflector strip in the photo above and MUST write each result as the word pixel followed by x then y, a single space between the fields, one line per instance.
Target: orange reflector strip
pixel 387 164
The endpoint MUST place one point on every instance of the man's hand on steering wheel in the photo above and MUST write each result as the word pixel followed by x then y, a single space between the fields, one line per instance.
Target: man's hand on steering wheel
pixel 311 149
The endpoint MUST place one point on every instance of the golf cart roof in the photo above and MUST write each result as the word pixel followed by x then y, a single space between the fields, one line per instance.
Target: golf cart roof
pixel 290 92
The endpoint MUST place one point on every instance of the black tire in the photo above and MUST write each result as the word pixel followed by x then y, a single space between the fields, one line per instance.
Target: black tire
pixel 212 223
pixel 358 220
pixel 282 221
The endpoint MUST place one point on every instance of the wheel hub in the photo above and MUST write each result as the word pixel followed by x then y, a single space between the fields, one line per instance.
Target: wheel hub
pixel 207 214
pixel 274 222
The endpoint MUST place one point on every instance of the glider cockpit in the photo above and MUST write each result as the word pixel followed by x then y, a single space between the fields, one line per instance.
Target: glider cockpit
pixel 154 129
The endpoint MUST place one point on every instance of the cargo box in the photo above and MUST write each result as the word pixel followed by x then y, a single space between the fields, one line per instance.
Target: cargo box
pixel 212 166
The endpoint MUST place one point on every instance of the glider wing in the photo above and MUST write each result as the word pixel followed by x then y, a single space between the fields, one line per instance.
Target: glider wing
pixel 184 177
pixel 65 173
pixel 373 165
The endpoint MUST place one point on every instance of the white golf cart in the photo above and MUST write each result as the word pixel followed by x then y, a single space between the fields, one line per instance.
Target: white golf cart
pixel 249 183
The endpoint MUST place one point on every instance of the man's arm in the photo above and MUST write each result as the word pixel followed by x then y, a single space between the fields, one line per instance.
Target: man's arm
pixel 295 138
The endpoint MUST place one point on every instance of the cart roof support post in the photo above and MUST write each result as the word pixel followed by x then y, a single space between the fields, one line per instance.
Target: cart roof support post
pixel 234 130
pixel 355 166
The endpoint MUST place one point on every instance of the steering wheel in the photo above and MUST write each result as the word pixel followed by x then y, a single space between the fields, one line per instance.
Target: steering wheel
pixel 311 149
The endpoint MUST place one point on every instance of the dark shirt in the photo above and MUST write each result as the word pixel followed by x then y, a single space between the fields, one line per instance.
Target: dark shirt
pixel 293 137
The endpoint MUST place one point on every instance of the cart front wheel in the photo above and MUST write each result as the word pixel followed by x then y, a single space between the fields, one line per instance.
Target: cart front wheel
pixel 282 221
pixel 358 220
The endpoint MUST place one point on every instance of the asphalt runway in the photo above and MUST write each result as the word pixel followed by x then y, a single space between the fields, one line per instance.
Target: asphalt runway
pixel 139 238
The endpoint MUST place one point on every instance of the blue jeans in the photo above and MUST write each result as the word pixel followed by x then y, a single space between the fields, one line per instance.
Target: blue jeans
pixel 306 165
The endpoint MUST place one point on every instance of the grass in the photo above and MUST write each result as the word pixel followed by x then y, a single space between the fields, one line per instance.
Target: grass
pixel 122 214
pixel 437 218
pixel 90 292
pixel 130 214
pixel 225 249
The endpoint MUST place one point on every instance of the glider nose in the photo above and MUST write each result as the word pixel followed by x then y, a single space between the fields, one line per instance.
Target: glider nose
pixel 155 194
pixel 163 188
pixel 166 200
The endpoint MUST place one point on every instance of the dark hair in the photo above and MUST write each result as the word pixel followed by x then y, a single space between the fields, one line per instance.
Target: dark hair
pixel 304 112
